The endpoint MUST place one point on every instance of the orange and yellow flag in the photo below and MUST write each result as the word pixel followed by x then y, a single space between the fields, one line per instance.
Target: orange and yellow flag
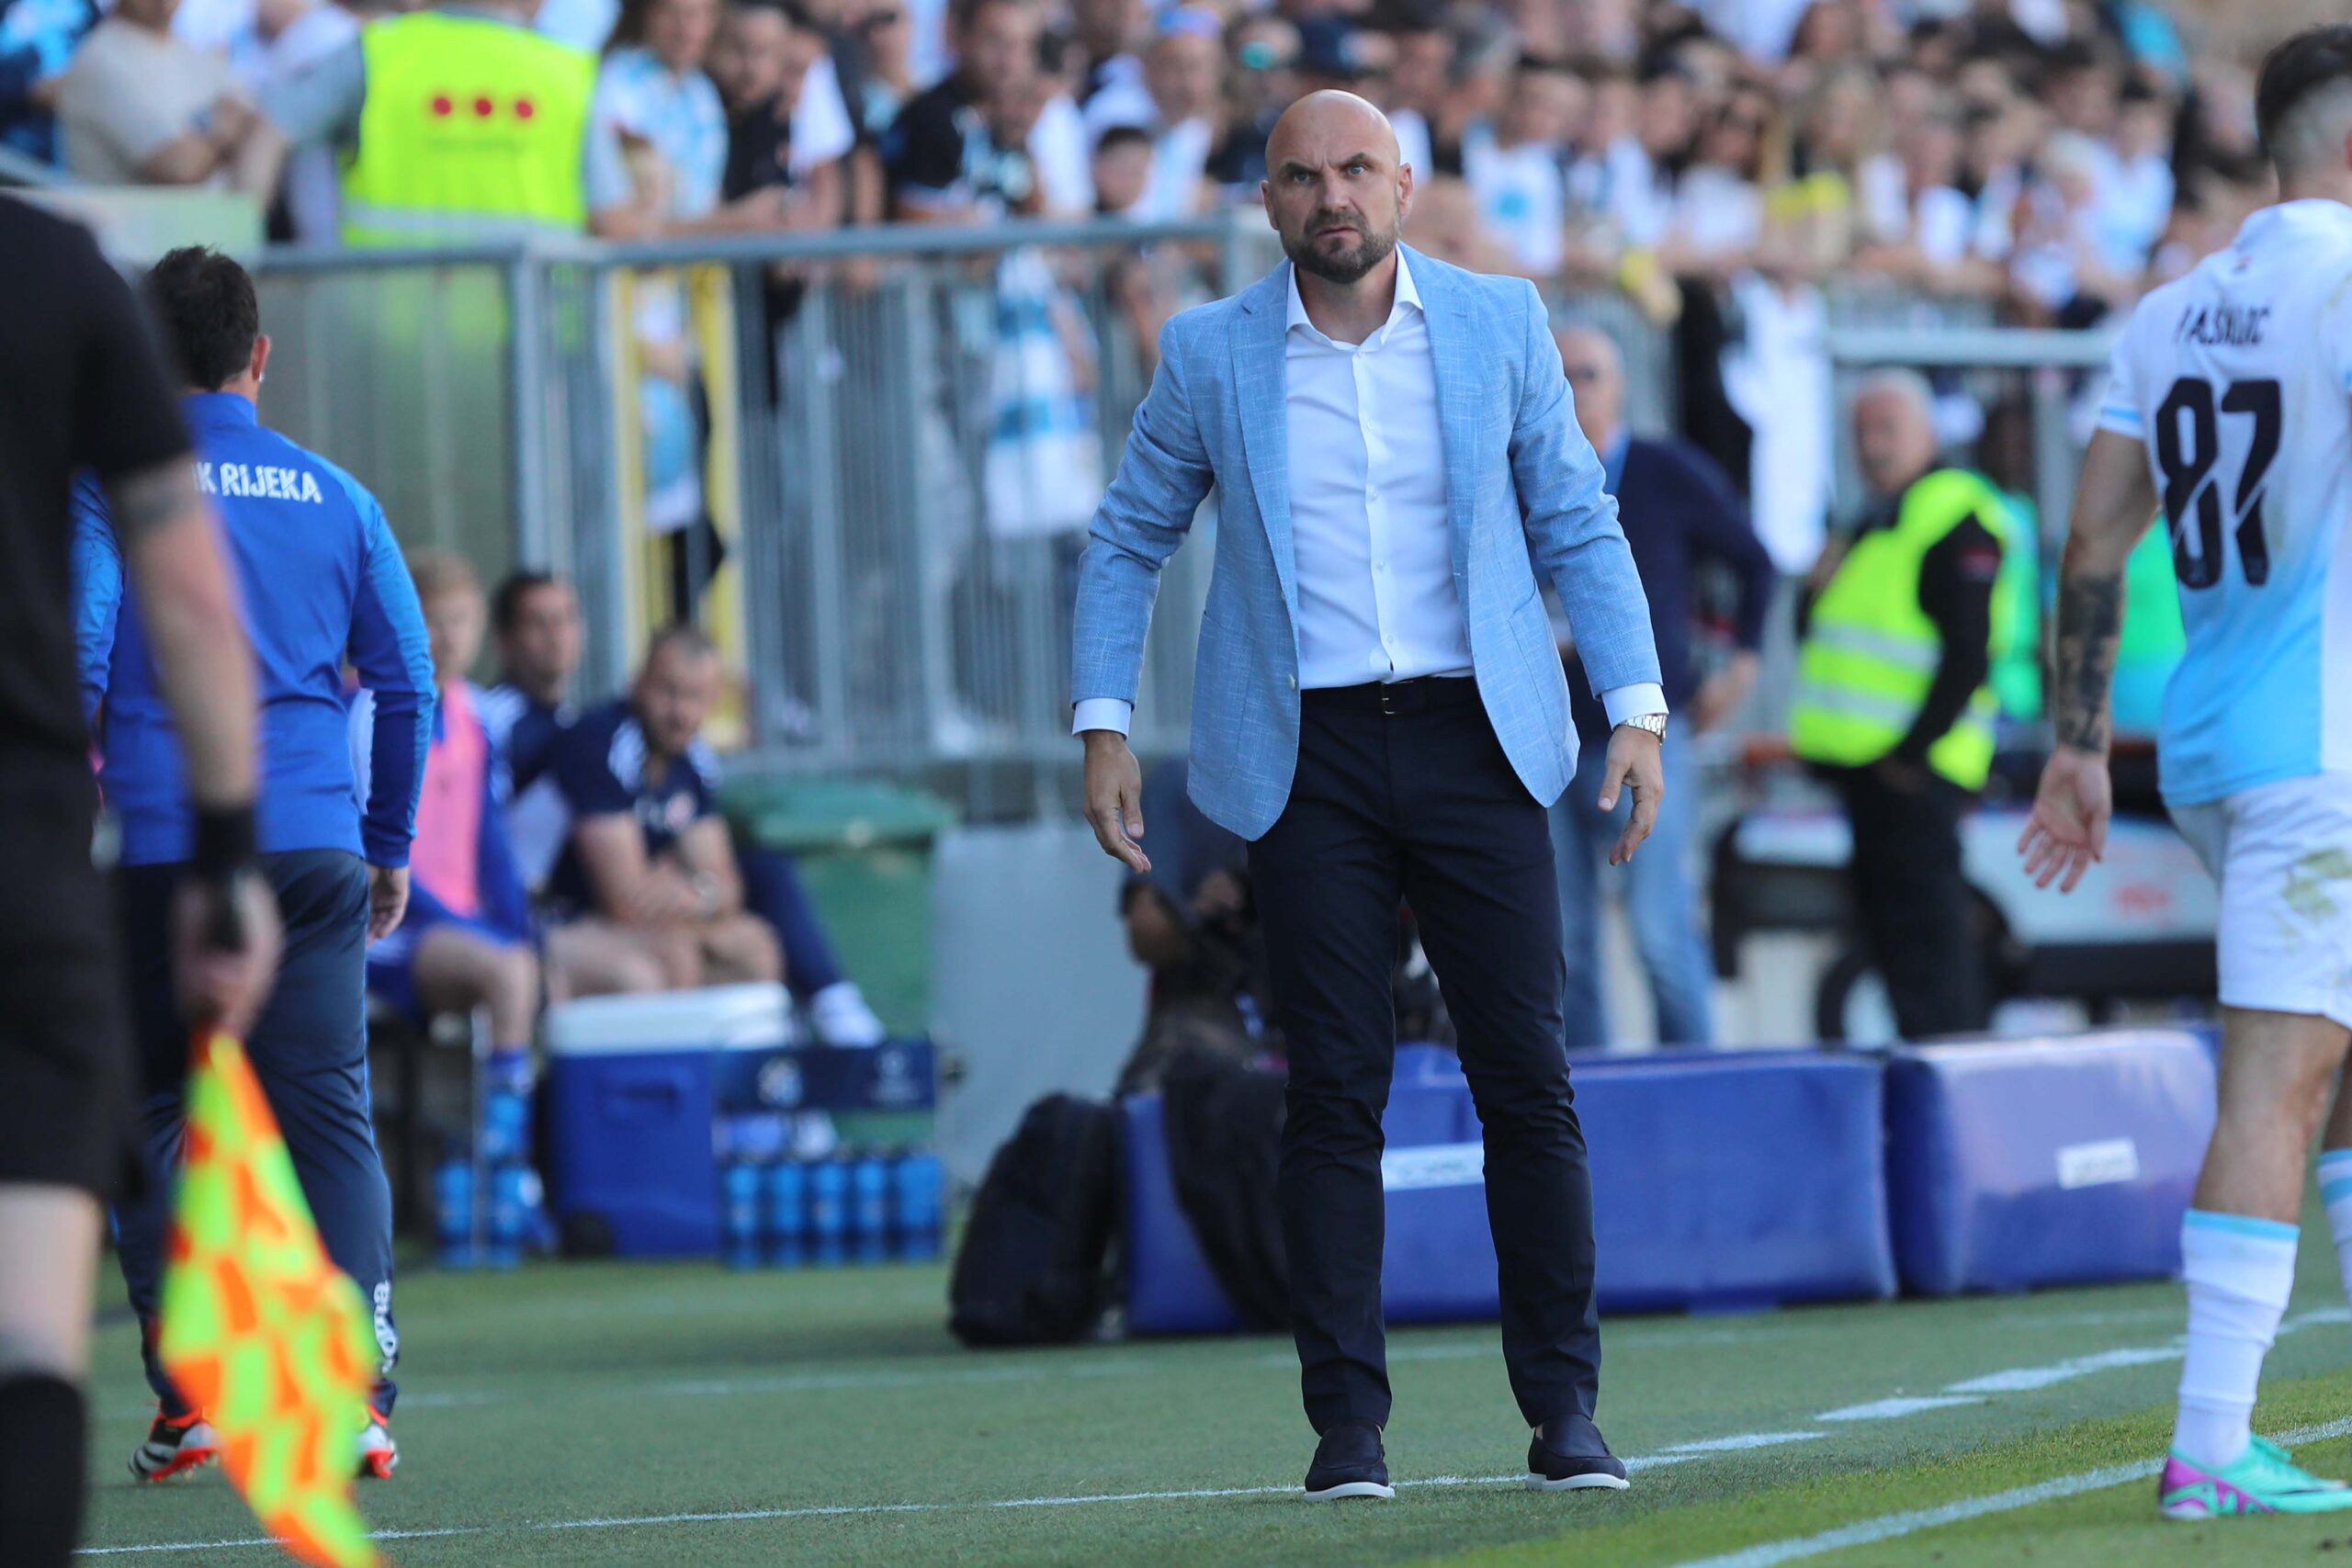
pixel 258 1328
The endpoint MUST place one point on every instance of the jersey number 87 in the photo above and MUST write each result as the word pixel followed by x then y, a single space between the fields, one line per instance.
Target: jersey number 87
pixel 2186 450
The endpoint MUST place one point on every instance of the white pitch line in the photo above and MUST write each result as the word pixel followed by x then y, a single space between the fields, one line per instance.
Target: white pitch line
pixel 821 1511
pixel 1889 1526
pixel 2023 1380
pixel 1674 1454
pixel 1894 1409
pixel 1742 1441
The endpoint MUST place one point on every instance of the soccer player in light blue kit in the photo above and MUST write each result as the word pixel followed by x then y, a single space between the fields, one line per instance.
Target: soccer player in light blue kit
pixel 2231 402
pixel 319 580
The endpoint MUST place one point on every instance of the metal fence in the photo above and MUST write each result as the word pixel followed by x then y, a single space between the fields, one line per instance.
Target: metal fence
pixel 900 434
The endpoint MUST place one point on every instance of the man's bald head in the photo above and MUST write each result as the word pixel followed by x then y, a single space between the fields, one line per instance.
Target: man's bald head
pixel 1336 188
pixel 1596 372
pixel 1321 117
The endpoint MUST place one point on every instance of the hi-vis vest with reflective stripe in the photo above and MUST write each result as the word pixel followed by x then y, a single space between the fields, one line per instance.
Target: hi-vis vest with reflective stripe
pixel 1872 652
pixel 472 130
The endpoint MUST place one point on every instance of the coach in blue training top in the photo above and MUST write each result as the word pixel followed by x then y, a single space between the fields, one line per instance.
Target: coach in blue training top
pixel 321 579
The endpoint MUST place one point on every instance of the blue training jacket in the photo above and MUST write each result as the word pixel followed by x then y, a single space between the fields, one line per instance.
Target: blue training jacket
pixel 321 579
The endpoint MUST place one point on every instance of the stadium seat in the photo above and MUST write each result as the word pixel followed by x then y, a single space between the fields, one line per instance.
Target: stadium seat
pixel 2019 1164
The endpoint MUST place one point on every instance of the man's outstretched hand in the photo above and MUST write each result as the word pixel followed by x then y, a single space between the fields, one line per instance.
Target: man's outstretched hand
pixel 2067 829
pixel 1632 765
pixel 1114 798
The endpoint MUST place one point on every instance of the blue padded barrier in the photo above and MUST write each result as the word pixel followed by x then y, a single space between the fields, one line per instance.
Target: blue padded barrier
pixel 1730 1180
pixel 1169 1287
pixel 2017 1164
pixel 1722 1181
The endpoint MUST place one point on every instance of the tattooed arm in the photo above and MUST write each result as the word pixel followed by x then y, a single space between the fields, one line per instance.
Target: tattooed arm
pixel 2113 501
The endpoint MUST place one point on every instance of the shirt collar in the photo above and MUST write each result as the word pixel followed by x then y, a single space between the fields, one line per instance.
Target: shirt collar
pixel 1406 294
pixel 2310 212
pixel 218 409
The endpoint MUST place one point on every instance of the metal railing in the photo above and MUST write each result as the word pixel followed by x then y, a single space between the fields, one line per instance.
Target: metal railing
pixel 900 434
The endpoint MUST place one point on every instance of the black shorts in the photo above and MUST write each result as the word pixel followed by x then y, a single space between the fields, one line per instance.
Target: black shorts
pixel 65 1072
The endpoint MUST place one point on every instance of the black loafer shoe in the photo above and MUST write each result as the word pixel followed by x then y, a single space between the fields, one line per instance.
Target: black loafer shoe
pixel 1569 1455
pixel 1349 1463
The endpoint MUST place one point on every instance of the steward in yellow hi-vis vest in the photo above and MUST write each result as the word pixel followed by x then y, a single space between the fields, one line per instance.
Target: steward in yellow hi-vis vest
pixel 1894 705
pixel 1876 647
pixel 472 128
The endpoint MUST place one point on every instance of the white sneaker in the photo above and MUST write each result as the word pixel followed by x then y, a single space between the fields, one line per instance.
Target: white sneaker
pixel 379 1455
pixel 840 1016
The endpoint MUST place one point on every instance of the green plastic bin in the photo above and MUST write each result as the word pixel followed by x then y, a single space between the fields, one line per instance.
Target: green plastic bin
pixel 863 847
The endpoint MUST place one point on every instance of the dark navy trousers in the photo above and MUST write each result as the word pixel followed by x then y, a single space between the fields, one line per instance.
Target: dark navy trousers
pixel 1420 803
pixel 309 1048
pixel 772 891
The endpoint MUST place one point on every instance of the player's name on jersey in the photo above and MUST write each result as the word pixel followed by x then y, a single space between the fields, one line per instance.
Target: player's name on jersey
pixel 260 481
pixel 2223 326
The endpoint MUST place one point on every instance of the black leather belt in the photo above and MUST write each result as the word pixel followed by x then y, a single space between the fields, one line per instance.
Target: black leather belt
pixel 1395 696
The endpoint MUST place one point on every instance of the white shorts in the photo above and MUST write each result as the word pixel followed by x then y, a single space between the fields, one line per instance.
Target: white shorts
pixel 2282 854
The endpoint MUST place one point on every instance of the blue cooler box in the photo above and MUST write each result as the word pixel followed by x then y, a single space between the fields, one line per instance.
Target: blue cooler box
pixel 632 1087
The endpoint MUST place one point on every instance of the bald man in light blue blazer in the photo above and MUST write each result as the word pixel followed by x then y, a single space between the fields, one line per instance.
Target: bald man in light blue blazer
pixel 1379 710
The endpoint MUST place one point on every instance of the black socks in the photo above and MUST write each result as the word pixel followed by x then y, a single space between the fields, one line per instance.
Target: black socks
pixel 41 1436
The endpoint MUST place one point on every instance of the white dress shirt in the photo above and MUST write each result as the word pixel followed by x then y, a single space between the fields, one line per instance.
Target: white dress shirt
pixel 1372 551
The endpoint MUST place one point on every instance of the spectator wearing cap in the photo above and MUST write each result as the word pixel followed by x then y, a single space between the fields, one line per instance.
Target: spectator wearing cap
pixel 139 106
pixel 1177 105
pixel 1515 168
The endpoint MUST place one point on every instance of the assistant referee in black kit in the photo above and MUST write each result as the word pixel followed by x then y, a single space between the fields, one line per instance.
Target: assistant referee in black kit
pixel 82 389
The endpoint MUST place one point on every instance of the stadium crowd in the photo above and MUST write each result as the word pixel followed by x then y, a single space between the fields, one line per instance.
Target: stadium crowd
pixel 2051 155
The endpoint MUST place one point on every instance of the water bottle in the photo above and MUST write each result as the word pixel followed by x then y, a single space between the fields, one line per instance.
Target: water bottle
pixel 828 1212
pixel 915 1191
pixel 506 1107
pixel 508 1214
pixel 739 1218
pixel 453 1199
pixel 870 1208
pixel 787 1213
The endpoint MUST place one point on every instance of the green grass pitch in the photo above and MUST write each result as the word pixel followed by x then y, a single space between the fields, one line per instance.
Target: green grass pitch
pixel 601 1414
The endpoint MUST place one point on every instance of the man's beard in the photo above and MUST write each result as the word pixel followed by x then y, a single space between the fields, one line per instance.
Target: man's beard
pixel 1342 267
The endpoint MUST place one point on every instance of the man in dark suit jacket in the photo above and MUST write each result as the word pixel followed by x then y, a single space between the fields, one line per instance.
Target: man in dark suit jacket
pixel 1679 507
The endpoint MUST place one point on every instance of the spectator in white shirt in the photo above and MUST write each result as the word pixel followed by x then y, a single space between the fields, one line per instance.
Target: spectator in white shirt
pixel 1418 85
pixel 1718 211
pixel 139 106
pixel 1177 103
pixel 1515 170
pixel 1925 235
